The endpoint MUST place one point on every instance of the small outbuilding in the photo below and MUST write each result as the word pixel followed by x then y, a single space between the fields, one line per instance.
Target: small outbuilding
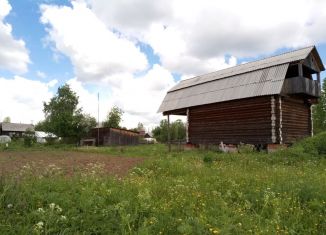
pixel 14 129
pixel 114 136
pixel 263 102
pixel 43 137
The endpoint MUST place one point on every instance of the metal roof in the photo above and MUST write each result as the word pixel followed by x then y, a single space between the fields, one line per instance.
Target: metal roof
pixel 258 78
pixel 266 81
pixel 16 127
pixel 247 67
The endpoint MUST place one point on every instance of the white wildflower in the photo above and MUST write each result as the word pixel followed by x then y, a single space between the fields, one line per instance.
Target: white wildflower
pixel 52 206
pixel 9 206
pixel 58 208
pixel 39 226
pixel 41 210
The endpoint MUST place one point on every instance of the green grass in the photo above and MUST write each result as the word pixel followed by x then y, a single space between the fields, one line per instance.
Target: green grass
pixel 175 193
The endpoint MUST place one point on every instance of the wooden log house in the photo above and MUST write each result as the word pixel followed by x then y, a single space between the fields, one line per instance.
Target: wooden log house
pixel 264 102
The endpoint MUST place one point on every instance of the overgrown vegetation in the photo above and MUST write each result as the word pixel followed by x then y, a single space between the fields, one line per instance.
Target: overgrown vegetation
pixel 29 138
pixel 319 111
pixel 177 131
pixel 190 192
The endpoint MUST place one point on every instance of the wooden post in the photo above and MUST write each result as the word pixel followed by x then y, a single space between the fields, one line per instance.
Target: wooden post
pixel 300 70
pixel 187 127
pixel 169 136
pixel 280 120
pixel 273 119
pixel 318 78
pixel 311 121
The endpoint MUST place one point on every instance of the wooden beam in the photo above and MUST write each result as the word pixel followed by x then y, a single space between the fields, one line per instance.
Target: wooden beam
pixel 318 78
pixel 311 121
pixel 169 136
pixel 300 70
pixel 187 127
pixel 280 119
pixel 273 119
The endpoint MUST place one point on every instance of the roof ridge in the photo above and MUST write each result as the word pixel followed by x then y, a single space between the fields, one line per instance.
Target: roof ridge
pixel 239 65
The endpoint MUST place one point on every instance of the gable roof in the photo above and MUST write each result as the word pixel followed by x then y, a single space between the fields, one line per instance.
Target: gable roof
pixel 16 127
pixel 258 78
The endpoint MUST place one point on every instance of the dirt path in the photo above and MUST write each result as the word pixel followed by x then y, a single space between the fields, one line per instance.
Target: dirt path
pixel 68 163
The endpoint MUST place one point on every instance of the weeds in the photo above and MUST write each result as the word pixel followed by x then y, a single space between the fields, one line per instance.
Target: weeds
pixel 178 193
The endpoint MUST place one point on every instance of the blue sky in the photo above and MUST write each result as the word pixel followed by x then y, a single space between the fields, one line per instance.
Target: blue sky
pixel 133 52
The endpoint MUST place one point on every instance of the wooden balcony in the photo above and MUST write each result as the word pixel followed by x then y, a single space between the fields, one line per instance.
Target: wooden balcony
pixel 301 85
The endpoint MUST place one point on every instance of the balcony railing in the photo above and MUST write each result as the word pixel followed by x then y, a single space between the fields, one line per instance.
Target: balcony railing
pixel 301 85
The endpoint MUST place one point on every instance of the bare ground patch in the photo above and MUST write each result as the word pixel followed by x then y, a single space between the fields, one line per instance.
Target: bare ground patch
pixel 68 163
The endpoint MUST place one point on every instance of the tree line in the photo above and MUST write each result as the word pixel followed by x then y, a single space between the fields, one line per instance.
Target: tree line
pixel 66 120
pixel 319 111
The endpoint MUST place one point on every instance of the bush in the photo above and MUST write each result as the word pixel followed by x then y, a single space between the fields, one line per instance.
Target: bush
pixel 313 145
pixel 29 138
pixel 51 140
pixel 209 157
pixel 320 143
pixel 246 148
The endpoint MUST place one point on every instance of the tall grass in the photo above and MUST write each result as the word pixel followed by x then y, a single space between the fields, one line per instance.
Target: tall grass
pixel 176 193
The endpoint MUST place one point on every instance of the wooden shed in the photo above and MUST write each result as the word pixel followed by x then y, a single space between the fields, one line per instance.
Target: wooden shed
pixel 114 136
pixel 262 102
pixel 14 129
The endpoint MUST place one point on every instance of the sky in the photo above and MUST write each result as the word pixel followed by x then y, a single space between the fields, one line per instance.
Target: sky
pixel 133 52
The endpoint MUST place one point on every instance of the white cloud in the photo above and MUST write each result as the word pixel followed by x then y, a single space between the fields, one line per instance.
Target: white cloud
pixel 94 50
pixel 193 37
pixel 40 74
pixel 13 53
pixel 141 97
pixel 109 59
pixel 138 97
pixel 88 101
pixel 22 99
pixel 120 13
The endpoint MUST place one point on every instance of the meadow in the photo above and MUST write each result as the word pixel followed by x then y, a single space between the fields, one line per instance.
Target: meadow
pixel 182 192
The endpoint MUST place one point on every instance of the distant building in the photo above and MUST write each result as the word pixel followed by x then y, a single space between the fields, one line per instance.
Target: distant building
pixel 14 129
pixel 42 137
pixel 262 102
pixel 147 135
pixel 114 136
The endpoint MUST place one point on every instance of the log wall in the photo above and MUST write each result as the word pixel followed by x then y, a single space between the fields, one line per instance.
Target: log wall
pixel 245 120
pixel 114 136
pixel 296 122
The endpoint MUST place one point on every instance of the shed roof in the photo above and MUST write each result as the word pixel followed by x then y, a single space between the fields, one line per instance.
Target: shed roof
pixel 258 78
pixel 16 127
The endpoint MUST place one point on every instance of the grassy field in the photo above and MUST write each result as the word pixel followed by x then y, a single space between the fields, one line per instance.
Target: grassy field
pixel 190 192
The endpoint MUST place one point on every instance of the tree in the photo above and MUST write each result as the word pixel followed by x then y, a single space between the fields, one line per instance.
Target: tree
pixel 64 118
pixel 177 131
pixel 84 123
pixel 113 118
pixel 140 126
pixel 7 120
pixel 40 126
pixel 160 133
pixel 319 112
